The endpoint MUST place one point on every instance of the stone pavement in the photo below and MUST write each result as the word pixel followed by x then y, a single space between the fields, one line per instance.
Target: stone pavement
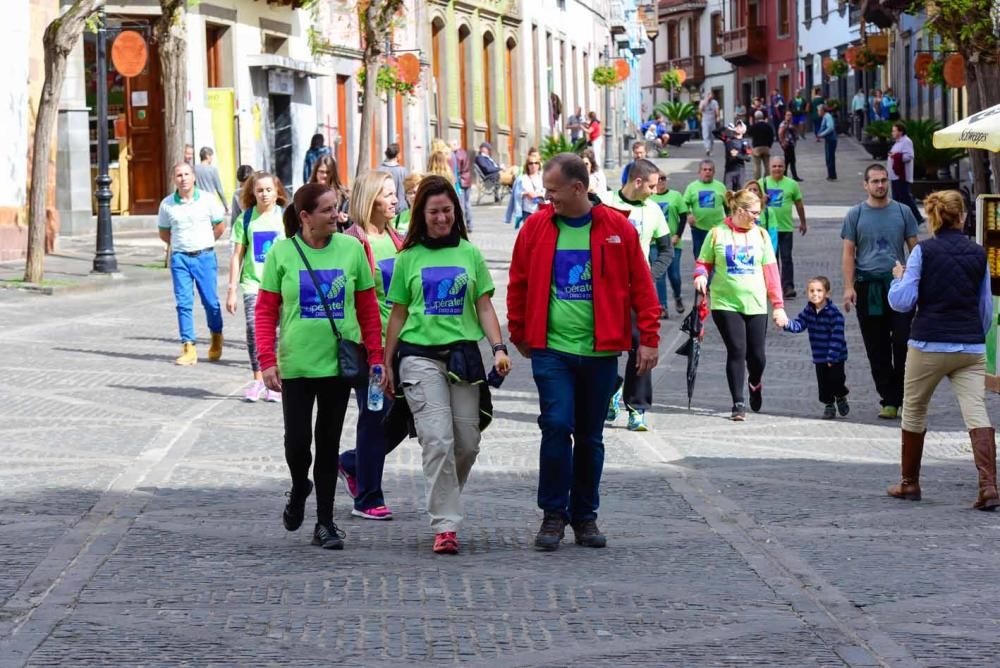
pixel 140 504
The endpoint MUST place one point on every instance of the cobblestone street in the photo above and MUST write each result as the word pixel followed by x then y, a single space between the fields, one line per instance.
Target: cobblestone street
pixel 140 511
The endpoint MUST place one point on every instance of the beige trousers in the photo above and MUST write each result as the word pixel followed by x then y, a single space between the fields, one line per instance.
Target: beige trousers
pixel 761 156
pixel 967 373
pixel 446 416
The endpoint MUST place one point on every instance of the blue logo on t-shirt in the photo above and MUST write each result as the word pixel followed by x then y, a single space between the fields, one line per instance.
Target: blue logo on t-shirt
pixel 444 290
pixel 573 275
pixel 706 199
pixel 665 208
pixel 739 260
pixel 385 267
pixel 775 198
pixel 333 282
pixel 262 242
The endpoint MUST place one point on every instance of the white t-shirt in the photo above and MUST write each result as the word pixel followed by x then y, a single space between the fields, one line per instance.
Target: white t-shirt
pixel 647 217
pixel 533 184
pixel 191 222
pixel 710 112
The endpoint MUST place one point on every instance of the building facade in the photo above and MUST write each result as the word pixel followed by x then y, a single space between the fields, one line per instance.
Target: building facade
pixel 760 41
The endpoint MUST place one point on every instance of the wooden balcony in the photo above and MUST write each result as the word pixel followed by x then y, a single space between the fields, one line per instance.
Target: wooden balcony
pixel 693 66
pixel 669 7
pixel 745 45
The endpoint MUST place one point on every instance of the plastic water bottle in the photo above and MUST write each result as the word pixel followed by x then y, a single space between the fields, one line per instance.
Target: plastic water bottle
pixel 375 395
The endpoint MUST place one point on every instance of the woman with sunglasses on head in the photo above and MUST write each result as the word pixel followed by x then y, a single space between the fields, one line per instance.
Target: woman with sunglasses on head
pixel 745 277
pixel 529 185
pixel 325 172
pixel 318 286
pixel 441 308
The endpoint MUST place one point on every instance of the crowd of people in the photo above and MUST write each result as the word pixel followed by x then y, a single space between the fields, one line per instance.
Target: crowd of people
pixel 378 288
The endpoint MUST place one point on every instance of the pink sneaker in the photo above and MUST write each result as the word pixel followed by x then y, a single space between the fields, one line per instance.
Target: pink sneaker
pixel 272 396
pixel 255 391
pixel 376 513
pixel 350 482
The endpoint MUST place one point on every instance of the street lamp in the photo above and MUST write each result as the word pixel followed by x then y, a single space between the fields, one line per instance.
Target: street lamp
pixel 104 261
pixel 609 162
pixel 650 20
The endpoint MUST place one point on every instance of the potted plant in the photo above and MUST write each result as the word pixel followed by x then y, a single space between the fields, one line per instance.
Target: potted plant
pixel 555 145
pixel 866 59
pixel 671 81
pixel 387 79
pixel 678 114
pixel 930 164
pixel 877 139
pixel 604 75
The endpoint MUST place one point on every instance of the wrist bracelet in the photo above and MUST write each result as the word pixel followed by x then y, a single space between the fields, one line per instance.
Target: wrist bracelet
pixel 500 346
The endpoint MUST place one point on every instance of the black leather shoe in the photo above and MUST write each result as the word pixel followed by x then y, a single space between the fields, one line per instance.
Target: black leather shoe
pixel 551 532
pixel 295 507
pixel 588 535
pixel 328 536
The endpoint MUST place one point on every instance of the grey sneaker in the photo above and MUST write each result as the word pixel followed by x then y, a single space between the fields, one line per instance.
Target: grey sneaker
pixel 829 412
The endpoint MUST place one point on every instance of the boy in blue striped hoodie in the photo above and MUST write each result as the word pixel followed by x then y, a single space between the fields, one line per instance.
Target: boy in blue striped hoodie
pixel 825 323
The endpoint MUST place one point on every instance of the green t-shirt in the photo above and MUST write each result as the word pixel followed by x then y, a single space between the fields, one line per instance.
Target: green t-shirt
pixel 739 259
pixel 384 253
pixel 571 297
pixel 672 205
pixel 402 221
pixel 264 231
pixel 646 217
pixel 707 202
pixel 440 288
pixel 307 347
pixel 781 198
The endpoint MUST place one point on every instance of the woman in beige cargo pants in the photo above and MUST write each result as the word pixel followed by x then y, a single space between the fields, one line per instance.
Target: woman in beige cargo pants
pixel 440 292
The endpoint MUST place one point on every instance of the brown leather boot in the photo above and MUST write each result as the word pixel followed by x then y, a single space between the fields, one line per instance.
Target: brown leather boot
pixel 984 452
pixel 913 450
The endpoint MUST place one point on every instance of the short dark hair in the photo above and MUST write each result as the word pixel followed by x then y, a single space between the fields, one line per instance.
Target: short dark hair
pixel 243 172
pixel 431 186
pixel 637 144
pixel 875 167
pixel 571 166
pixel 206 152
pixel 901 126
pixel 642 169
pixel 391 151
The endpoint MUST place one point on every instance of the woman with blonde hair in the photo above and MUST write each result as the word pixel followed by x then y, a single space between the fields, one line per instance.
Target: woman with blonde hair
pixel 739 257
pixel 410 184
pixel 373 205
pixel 438 165
pixel 954 310
pixel 325 172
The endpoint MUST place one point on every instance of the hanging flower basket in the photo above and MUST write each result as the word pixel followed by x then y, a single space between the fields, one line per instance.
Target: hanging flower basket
pixel 604 76
pixel 837 68
pixel 954 70
pixel 866 59
pixel 849 54
pixel 921 63
pixel 935 74
pixel 388 79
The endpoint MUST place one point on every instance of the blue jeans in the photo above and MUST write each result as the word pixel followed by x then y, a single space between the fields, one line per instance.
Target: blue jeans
pixel 830 147
pixel 573 395
pixel 366 461
pixel 188 273
pixel 661 282
pixel 674 275
pixel 697 239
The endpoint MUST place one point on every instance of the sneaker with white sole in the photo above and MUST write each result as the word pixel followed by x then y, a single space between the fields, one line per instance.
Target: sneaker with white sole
pixel 350 482
pixel 637 420
pixel 255 391
pixel 615 406
pixel 271 396
pixel 377 513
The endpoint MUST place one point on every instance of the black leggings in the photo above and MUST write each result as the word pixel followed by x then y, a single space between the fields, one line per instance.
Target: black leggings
pixel 330 395
pixel 744 339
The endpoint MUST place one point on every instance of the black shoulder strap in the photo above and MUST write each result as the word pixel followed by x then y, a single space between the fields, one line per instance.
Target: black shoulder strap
pixel 319 290
pixel 246 225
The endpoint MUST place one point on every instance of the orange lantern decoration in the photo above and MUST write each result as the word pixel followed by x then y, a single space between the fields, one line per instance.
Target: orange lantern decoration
pixel 409 68
pixel 129 53
pixel 681 76
pixel 921 64
pixel 622 69
pixel 954 70
pixel 849 55
pixel 827 64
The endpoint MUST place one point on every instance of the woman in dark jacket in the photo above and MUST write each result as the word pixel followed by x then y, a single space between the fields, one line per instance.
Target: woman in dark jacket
pixel 947 339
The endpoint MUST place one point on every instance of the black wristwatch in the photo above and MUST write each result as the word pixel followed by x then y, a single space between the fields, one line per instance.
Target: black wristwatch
pixel 500 346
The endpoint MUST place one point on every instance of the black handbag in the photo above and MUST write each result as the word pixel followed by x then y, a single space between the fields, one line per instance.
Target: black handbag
pixel 351 356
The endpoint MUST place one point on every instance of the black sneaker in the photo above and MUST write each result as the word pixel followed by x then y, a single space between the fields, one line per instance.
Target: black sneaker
pixel 295 507
pixel 551 532
pixel 588 535
pixel 679 305
pixel 842 406
pixel 829 412
pixel 328 536
pixel 788 293
pixel 756 397
pixel 664 313
pixel 739 412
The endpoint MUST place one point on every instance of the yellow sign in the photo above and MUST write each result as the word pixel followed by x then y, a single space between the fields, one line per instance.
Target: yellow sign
pixel 222 103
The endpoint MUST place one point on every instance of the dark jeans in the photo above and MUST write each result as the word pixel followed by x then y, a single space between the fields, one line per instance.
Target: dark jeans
pixel 466 208
pixel 661 282
pixel 573 395
pixel 785 264
pixel 367 460
pixel 330 395
pixel 734 180
pixel 901 193
pixel 790 161
pixel 697 239
pixel 638 391
pixel 744 339
pixel 832 382
pixel 885 339
pixel 674 275
pixel 830 148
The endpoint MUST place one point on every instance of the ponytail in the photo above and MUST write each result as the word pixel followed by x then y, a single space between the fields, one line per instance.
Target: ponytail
pixel 290 218
pixel 306 199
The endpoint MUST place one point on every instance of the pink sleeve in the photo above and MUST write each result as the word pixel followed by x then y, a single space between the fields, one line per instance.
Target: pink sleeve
pixel 370 321
pixel 266 325
pixel 702 268
pixel 772 279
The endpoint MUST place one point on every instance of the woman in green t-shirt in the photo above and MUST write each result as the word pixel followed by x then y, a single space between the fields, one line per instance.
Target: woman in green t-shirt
pixel 745 276
pixel 314 281
pixel 373 204
pixel 440 293
pixel 257 229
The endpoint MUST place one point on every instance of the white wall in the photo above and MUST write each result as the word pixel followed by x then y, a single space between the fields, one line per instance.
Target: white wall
pixel 14 105
pixel 719 72
pixel 822 34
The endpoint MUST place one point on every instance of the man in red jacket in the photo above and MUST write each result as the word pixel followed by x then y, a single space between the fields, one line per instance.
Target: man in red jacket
pixel 577 275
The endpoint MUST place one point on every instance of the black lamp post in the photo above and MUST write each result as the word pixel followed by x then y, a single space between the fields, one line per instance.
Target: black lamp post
pixel 609 162
pixel 104 261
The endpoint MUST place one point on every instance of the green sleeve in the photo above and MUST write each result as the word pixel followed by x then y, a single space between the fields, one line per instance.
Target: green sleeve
pixel 796 193
pixel 398 291
pixel 236 235
pixel 484 282
pixel 687 198
pixel 682 206
pixel 271 280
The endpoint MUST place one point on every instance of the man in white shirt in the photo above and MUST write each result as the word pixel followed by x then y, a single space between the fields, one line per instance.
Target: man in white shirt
pixel 710 114
pixel 189 222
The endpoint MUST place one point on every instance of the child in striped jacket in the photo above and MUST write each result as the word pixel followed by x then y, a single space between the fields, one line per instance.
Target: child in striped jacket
pixel 825 323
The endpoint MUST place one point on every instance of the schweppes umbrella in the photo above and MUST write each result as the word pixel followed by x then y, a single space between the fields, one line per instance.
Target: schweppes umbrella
pixel 980 130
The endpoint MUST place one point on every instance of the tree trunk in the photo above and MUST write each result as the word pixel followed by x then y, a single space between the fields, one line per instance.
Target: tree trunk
pixel 977 158
pixel 171 36
pixel 376 27
pixel 983 86
pixel 61 36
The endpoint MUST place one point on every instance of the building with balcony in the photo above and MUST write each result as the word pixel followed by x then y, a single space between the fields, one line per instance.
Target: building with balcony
pixel 759 39
pixel 826 29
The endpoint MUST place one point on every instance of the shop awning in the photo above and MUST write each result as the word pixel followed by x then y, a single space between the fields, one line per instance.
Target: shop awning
pixel 980 130
pixel 270 61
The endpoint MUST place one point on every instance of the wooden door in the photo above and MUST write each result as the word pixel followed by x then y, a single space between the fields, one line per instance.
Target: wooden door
pixel 488 87
pixel 508 76
pixel 400 130
pixel 463 82
pixel 342 128
pixel 144 107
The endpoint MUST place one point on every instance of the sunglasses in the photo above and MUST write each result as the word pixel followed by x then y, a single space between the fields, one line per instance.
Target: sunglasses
pixel 534 163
